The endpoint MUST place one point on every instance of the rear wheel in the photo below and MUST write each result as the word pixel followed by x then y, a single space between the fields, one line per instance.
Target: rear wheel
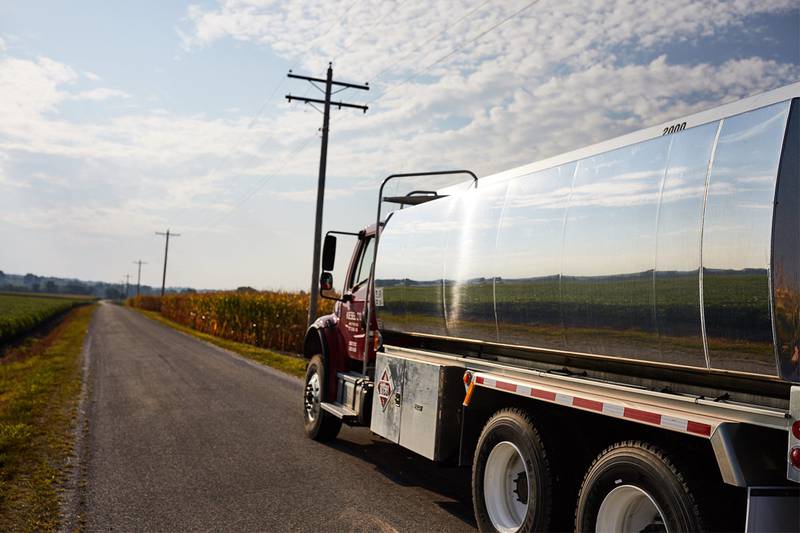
pixel 319 424
pixel 635 487
pixel 511 479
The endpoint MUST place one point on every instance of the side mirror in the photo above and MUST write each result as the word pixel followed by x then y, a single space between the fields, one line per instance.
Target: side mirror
pixel 328 253
pixel 325 281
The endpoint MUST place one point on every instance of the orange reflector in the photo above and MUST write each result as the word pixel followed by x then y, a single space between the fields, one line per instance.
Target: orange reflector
pixel 376 342
pixel 468 397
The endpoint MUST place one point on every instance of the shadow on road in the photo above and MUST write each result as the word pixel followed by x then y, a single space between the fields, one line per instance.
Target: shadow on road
pixel 408 469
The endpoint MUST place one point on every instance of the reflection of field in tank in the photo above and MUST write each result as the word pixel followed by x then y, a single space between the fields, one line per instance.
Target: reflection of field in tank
pixel 744 288
pixel 607 316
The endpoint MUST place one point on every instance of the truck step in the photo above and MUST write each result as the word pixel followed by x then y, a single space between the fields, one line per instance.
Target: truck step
pixel 340 411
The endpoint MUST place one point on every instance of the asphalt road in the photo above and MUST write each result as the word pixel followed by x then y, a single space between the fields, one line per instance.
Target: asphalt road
pixel 184 436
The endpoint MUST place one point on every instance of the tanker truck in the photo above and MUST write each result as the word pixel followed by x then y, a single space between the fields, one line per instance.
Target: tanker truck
pixel 609 338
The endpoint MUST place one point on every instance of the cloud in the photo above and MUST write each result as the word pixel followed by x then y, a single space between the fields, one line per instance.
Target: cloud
pixel 310 195
pixel 101 93
pixel 2 45
pixel 91 76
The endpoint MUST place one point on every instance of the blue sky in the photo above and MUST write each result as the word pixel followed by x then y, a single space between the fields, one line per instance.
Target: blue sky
pixel 121 119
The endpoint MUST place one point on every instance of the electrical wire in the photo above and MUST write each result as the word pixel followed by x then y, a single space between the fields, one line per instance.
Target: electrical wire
pixel 264 180
pixel 447 29
pixel 454 50
pixel 391 87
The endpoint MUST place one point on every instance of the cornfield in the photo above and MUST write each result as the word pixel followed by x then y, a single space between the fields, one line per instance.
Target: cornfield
pixel 275 320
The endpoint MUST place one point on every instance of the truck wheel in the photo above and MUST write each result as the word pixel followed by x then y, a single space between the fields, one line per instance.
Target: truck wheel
pixel 320 425
pixel 511 480
pixel 633 486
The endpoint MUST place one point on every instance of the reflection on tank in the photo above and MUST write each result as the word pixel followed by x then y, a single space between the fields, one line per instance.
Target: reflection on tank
pixel 534 312
pixel 658 251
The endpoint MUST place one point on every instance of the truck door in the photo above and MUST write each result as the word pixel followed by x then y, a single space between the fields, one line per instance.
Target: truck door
pixel 353 311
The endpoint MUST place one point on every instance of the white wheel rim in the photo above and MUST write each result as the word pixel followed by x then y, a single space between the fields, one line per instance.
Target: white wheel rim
pixel 312 397
pixel 629 509
pixel 506 487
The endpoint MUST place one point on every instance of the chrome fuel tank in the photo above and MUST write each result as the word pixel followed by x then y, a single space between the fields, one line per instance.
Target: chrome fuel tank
pixel 662 250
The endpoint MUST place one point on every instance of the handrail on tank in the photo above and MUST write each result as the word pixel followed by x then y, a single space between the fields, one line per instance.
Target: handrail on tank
pixel 371 284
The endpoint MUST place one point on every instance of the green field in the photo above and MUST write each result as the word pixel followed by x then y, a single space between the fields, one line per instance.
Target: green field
pixel 20 313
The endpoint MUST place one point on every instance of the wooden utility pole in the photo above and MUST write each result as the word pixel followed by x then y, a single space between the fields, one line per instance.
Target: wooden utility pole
pixel 166 251
pixel 139 275
pixel 323 161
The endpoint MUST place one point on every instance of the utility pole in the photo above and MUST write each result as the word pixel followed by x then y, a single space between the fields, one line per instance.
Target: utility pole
pixel 323 161
pixel 139 275
pixel 166 251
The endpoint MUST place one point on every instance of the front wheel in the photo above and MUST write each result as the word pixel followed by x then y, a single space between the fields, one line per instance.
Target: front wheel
pixel 634 487
pixel 511 478
pixel 319 424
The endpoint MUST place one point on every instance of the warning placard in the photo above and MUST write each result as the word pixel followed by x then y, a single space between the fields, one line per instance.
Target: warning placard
pixel 385 387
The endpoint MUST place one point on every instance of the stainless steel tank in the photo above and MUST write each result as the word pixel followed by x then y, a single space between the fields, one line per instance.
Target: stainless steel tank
pixel 679 249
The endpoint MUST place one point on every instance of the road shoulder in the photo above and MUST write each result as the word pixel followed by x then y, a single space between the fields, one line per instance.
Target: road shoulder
pixel 41 383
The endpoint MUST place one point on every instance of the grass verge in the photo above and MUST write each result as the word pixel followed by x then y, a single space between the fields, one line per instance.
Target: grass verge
pixel 40 384
pixel 290 364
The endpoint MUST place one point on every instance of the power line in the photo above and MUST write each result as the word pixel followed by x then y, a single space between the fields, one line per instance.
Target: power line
pixel 454 50
pixel 372 26
pixel 449 27
pixel 389 89
pixel 260 185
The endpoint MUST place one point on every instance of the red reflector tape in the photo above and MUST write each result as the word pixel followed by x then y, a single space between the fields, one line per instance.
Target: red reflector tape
pixel 608 409
pixel 583 403
pixel 644 416
pixel 502 385
pixel 698 428
pixel 544 395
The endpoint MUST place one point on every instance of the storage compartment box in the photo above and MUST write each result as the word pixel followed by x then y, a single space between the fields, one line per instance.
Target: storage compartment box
pixel 417 404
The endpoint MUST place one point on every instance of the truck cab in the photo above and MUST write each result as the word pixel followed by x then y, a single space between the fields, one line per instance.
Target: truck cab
pixel 341 361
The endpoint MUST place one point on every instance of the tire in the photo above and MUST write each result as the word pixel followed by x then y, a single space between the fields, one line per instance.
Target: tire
pixel 634 486
pixel 502 501
pixel 320 425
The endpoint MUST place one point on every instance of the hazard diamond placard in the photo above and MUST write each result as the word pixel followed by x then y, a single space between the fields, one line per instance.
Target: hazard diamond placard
pixel 385 387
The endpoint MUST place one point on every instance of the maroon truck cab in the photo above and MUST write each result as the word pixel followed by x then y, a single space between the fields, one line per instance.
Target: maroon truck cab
pixel 340 336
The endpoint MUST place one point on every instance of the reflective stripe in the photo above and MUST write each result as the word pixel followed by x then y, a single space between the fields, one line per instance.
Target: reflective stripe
pixel 610 409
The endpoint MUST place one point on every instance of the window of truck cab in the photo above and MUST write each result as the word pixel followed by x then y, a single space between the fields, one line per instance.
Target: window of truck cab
pixel 363 264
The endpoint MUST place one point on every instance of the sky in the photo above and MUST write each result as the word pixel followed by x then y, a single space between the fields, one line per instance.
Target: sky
pixel 120 119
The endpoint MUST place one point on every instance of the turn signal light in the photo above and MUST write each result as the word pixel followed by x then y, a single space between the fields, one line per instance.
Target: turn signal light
pixel 794 457
pixel 796 429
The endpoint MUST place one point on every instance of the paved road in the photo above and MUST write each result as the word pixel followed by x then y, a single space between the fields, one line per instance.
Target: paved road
pixel 188 437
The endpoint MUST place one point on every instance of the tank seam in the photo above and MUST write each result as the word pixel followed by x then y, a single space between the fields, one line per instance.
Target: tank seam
pixel 702 236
